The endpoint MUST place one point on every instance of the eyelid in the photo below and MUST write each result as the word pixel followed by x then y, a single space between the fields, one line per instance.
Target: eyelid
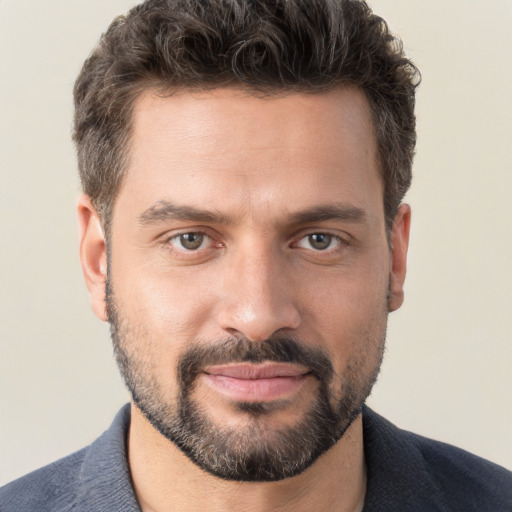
pixel 211 242
pixel 335 242
pixel 176 232
pixel 343 237
pixel 177 238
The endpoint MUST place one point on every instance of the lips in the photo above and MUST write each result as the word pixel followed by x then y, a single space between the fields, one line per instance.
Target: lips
pixel 256 382
pixel 258 371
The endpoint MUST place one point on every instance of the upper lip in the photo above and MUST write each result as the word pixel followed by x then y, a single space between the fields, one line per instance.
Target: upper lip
pixel 267 370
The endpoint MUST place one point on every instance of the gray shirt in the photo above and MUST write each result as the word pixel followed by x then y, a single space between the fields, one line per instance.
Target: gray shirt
pixel 406 473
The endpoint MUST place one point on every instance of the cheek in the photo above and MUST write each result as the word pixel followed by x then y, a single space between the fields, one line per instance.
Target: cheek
pixel 348 313
pixel 355 339
pixel 157 321
pixel 169 305
pixel 347 296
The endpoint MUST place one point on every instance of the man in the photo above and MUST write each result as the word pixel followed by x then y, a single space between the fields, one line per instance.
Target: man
pixel 243 166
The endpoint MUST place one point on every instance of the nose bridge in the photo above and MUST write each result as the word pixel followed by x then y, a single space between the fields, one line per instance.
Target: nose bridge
pixel 257 299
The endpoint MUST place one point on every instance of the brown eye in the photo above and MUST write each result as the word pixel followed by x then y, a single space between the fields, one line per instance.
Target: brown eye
pixel 320 241
pixel 191 241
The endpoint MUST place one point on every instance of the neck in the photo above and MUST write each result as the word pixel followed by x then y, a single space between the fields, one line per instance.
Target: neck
pixel 165 479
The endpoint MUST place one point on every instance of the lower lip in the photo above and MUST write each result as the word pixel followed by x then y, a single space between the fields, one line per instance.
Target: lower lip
pixel 255 390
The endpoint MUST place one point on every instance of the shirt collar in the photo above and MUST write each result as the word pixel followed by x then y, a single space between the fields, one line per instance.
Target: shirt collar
pixel 397 474
pixel 104 480
pixel 396 470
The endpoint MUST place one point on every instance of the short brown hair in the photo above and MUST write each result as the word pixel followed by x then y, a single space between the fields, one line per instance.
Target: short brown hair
pixel 263 46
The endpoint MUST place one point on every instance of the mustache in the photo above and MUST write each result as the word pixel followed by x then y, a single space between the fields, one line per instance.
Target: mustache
pixel 242 350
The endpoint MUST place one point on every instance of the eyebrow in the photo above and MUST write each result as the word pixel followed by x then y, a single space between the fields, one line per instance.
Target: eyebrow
pixel 164 211
pixel 321 213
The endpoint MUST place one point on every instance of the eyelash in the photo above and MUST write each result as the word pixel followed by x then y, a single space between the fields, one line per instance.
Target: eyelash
pixel 332 238
pixel 184 252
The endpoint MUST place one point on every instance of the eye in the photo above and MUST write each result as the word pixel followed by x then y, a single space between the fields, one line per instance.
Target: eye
pixel 189 241
pixel 319 241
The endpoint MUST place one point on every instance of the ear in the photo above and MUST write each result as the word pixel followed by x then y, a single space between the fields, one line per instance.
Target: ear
pixel 399 246
pixel 93 255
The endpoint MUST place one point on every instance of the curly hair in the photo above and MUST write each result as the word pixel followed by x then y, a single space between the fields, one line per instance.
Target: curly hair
pixel 261 46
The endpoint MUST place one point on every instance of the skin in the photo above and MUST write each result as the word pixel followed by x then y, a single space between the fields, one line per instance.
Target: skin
pixel 260 163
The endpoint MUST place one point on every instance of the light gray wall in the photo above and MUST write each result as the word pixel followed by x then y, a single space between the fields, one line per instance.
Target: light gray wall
pixel 447 373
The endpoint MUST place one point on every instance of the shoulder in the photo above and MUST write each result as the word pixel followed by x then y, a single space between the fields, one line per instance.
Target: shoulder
pixel 464 477
pixel 422 474
pixel 50 488
pixel 94 478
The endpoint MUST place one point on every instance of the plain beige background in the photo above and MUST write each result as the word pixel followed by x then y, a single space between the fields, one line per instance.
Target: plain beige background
pixel 447 373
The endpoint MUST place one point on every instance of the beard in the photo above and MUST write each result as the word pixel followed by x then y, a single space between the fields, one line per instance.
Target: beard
pixel 254 452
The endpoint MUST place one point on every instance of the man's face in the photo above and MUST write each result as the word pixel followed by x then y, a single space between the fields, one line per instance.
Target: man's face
pixel 250 275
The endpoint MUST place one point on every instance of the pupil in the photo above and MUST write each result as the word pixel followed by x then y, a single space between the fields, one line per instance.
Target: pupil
pixel 320 240
pixel 191 240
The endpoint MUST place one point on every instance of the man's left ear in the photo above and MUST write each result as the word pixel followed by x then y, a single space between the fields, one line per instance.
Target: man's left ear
pixel 398 266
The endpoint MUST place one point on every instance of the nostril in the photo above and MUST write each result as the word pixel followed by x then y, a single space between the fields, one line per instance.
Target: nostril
pixel 258 321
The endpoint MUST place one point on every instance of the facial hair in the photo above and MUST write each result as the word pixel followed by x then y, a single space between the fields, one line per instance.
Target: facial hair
pixel 254 452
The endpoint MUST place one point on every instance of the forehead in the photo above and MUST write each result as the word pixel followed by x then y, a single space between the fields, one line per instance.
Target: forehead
pixel 202 146
pixel 229 117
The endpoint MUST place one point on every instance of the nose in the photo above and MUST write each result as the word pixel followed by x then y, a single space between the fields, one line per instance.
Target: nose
pixel 257 298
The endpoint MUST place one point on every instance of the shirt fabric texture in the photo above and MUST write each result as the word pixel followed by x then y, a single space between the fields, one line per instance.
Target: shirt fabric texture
pixel 406 473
